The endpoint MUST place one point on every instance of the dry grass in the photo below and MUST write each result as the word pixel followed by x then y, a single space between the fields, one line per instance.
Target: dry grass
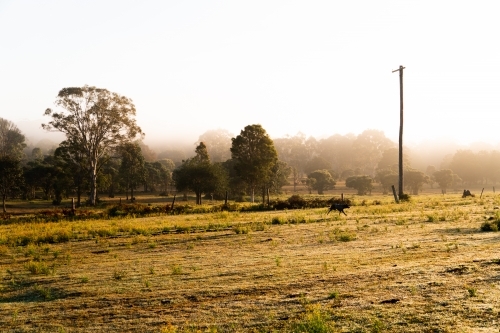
pixel 423 266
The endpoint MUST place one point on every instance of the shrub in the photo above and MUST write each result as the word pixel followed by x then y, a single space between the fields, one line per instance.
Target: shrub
pixel 490 226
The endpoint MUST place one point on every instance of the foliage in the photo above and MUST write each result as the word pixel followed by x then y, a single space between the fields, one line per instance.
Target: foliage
pixel 321 180
pixel 132 169
pixel 363 184
pixel 96 121
pixel 414 180
pixel 254 155
pixel 218 143
pixel 491 226
pixel 10 177
pixel 445 178
pixel 387 179
pixel 11 140
pixel 199 175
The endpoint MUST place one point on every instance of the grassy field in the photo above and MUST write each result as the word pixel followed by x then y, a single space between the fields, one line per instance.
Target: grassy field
pixel 422 266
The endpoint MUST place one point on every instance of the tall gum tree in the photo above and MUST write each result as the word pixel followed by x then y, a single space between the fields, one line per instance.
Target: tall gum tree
pixel 95 120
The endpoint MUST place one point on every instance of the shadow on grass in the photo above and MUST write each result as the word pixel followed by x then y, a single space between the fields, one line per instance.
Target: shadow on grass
pixel 36 293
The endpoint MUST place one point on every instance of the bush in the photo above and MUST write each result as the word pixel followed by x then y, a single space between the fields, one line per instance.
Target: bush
pixel 404 197
pixel 490 226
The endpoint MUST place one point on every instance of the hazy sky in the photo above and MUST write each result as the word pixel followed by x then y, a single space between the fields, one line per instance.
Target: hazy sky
pixel 320 67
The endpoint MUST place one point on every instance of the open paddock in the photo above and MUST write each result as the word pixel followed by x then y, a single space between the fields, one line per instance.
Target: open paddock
pixel 421 266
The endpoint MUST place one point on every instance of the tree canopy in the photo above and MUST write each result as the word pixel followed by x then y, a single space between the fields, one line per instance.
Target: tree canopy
pixel 321 180
pixel 96 121
pixel 254 155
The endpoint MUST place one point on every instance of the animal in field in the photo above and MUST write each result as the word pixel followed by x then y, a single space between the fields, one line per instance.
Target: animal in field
pixel 339 207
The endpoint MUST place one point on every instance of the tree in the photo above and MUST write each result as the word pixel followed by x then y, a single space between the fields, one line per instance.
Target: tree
pixel 415 179
pixel 337 150
pixel 368 149
pixel 132 169
pixel 445 178
pixel 363 184
pixel 11 152
pixel 254 155
pixel 11 140
pixel 387 178
pixel 97 121
pixel 197 174
pixel 295 151
pixel 323 181
pixel 218 143
pixel 317 163
pixel 279 175
pixel 429 171
pixel 10 177
pixel 76 166
pixel 466 165
pixel 390 160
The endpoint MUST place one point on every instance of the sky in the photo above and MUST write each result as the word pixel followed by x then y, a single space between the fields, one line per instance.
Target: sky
pixel 316 67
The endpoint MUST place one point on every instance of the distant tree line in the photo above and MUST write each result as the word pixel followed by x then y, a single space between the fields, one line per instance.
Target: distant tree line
pixel 103 154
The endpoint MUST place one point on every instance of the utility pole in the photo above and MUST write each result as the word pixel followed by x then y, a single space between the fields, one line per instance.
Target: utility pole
pixel 400 70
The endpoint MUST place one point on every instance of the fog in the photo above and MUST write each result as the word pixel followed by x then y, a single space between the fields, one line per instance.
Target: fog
pixel 319 68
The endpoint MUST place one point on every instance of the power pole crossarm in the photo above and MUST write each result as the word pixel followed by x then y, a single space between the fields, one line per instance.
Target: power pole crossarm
pixel 400 70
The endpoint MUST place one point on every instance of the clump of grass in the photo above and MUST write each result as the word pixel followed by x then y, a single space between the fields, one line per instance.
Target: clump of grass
pixel 315 319
pixel 36 268
pixel 278 220
pixel 432 218
pixel 278 261
pixel 176 270
pixel 471 291
pixel 334 295
pixel 119 274
pixel 240 229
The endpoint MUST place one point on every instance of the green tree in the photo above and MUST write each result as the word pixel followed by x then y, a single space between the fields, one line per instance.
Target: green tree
pixel 11 152
pixel 75 166
pixel 321 180
pixel 254 155
pixel 197 174
pixel 279 176
pixel 132 170
pixel 10 177
pixel 97 121
pixel 363 184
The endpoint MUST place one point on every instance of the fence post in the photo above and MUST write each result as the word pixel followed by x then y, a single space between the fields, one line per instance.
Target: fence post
pixel 394 193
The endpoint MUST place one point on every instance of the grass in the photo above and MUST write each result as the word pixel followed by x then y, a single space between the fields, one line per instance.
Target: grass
pixel 382 268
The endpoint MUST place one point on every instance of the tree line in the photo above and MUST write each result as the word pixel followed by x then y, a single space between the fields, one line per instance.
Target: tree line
pixel 103 154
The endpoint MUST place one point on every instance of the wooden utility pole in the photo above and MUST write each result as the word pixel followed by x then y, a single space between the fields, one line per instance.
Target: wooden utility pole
pixel 400 70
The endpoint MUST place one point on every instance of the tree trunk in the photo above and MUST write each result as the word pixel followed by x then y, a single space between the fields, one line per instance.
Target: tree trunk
pixel 93 186
pixel 3 203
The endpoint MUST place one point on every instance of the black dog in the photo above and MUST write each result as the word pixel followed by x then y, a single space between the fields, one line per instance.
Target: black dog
pixel 340 207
